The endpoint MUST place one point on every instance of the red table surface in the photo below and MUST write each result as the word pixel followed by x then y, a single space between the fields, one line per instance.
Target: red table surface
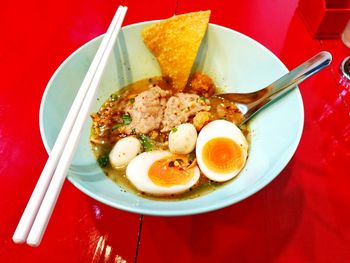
pixel 302 216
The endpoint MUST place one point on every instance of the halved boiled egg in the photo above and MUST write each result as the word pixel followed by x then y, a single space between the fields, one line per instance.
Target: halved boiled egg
pixel 221 150
pixel 162 173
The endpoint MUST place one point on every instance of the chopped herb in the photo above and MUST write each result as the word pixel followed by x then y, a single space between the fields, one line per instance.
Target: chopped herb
pixel 133 131
pixel 113 97
pixel 192 156
pixel 203 98
pixel 132 100
pixel 126 119
pixel 146 142
pixel 174 129
pixel 103 160
pixel 116 126
pixel 180 161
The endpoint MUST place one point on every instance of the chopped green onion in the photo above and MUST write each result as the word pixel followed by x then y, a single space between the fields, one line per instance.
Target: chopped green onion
pixel 114 97
pixel 126 119
pixel 192 156
pixel 133 131
pixel 174 129
pixel 180 161
pixel 202 98
pixel 116 126
pixel 103 160
pixel 146 142
pixel 132 100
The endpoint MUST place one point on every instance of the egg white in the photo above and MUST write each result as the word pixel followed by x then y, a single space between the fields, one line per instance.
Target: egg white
pixel 137 173
pixel 217 129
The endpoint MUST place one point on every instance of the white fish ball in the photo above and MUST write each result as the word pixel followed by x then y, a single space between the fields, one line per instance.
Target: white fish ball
pixel 182 140
pixel 124 151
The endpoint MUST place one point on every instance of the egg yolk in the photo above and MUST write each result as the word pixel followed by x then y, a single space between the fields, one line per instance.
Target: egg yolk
pixel 223 155
pixel 165 172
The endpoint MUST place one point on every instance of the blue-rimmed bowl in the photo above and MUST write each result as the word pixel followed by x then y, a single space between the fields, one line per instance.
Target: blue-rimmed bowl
pixel 236 63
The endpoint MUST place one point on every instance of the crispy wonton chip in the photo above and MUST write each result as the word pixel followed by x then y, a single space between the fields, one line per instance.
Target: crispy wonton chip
pixel 175 43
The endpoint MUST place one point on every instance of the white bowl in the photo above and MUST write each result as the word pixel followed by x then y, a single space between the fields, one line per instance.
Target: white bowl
pixel 234 61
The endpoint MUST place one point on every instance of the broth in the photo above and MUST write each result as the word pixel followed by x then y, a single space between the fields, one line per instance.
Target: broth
pixel 103 136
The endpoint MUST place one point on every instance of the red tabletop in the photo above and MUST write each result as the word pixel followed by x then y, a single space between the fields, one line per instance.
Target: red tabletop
pixel 302 216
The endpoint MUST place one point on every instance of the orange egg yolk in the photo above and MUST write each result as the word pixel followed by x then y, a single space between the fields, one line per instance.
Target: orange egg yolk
pixel 223 155
pixel 165 173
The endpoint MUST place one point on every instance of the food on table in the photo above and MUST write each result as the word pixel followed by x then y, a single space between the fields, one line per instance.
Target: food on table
pixel 201 118
pixel 202 85
pixel 181 107
pixel 162 173
pixel 182 139
pixel 168 136
pixel 146 110
pixel 175 43
pixel 152 143
pixel 124 151
pixel 221 150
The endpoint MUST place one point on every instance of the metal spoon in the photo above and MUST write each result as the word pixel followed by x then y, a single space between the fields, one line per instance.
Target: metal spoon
pixel 252 103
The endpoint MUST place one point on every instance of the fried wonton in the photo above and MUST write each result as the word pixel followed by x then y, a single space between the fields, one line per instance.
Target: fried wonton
pixel 175 43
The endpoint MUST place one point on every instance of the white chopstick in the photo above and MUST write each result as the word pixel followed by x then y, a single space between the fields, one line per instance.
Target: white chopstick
pixel 47 189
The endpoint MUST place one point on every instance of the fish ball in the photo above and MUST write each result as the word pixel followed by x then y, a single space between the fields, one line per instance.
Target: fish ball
pixel 182 140
pixel 124 151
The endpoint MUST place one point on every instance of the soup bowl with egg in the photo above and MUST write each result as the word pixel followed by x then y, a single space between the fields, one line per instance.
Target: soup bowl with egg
pixel 151 150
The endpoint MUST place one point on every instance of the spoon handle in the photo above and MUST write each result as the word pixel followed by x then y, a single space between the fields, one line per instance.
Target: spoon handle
pixel 287 82
pixel 300 73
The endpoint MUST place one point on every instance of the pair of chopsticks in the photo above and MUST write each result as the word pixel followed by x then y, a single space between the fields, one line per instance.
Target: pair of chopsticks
pixel 37 213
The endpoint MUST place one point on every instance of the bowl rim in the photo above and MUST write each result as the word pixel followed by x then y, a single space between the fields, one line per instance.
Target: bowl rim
pixel 194 210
